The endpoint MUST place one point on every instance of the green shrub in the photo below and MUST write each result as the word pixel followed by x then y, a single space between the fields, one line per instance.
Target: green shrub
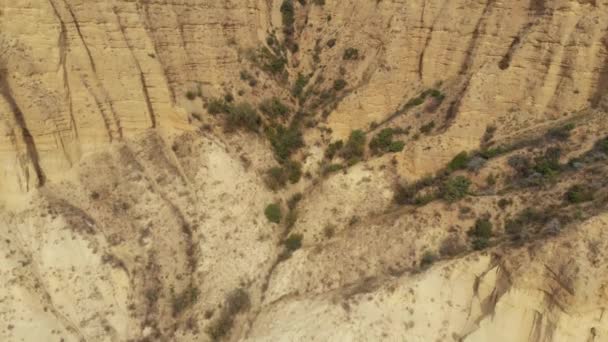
pixel 503 203
pixel 354 149
pixel 217 106
pixel 293 242
pixel 288 16
pixel 548 164
pixel 331 43
pixel 285 140
pixel 298 87
pixel 339 84
pixel 579 194
pixel 331 168
pixel 243 115
pixel 428 258
pixel 350 54
pixel 294 200
pixel 459 162
pixel 333 148
pixel 481 229
pixel 455 188
pixel 383 142
pixel 273 107
pixel 273 213
pixel 492 152
pixel 480 243
pixel 190 95
pixel 294 171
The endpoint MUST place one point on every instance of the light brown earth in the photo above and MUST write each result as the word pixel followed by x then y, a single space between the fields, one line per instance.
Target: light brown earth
pixel 128 212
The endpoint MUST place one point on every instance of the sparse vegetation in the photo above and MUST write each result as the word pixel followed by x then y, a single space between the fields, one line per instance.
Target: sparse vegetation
pixel 561 133
pixel 288 16
pixel 354 149
pixel 579 194
pixel 459 162
pixel 426 129
pixel 236 302
pixel 383 142
pixel 298 87
pixel 284 140
pixel 481 233
pixel 240 115
pixel 273 213
pixel 273 107
pixel 185 299
pixel 428 258
pixel 339 84
pixel 455 188
pixel 350 54
pixel 333 148
pixel 293 242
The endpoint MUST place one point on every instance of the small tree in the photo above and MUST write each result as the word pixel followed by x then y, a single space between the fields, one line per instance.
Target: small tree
pixel 273 213
pixel 293 242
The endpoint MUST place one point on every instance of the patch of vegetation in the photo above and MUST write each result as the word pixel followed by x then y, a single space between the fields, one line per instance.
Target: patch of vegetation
pixel 561 133
pixel 520 227
pixel 284 140
pixel 331 168
pixel 184 300
pixel 428 258
pixel 503 203
pixel 275 178
pixel 426 129
pixel 383 142
pixel 236 301
pixel 579 194
pixel 190 95
pixel 351 54
pixel 273 213
pixel 288 14
pixel 291 218
pixel 293 242
pixel 294 200
pixel 333 148
pixel 273 107
pixel 298 87
pixel 354 149
pixel 434 93
pixel 339 84
pixel 240 115
pixel 459 162
pixel 331 43
pixel 481 233
pixel 455 188
pixel 451 246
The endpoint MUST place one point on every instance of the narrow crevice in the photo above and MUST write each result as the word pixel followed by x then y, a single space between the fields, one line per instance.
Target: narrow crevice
pixel 602 81
pixel 468 61
pixel 30 144
pixel 139 69
pixel 84 43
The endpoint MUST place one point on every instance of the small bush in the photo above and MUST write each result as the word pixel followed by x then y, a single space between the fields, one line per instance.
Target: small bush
pixel 428 258
pixel 602 145
pixel 492 152
pixel 520 164
pixel 331 168
pixel 504 203
pixel 291 218
pixel 329 231
pixel 455 188
pixel 480 243
pixel 459 162
pixel 383 142
pixel 579 194
pixel 236 301
pixel 333 148
pixel 548 164
pixel 243 115
pixel 288 16
pixel 339 84
pixel 298 87
pixel 331 43
pixel 293 242
pixel 274 108
pixel 294 171
pixel 217 106
pixel 294 200
pixel 284 141
pixel 190 95
pixel 273 213
pixel 561 133
pixel 354 149
pixel 350 54
pixel 481 229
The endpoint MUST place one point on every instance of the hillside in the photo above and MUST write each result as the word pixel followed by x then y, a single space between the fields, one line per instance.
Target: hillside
pixel 325 170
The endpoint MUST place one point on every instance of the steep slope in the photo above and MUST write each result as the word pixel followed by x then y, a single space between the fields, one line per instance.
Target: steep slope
pixel 143 141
